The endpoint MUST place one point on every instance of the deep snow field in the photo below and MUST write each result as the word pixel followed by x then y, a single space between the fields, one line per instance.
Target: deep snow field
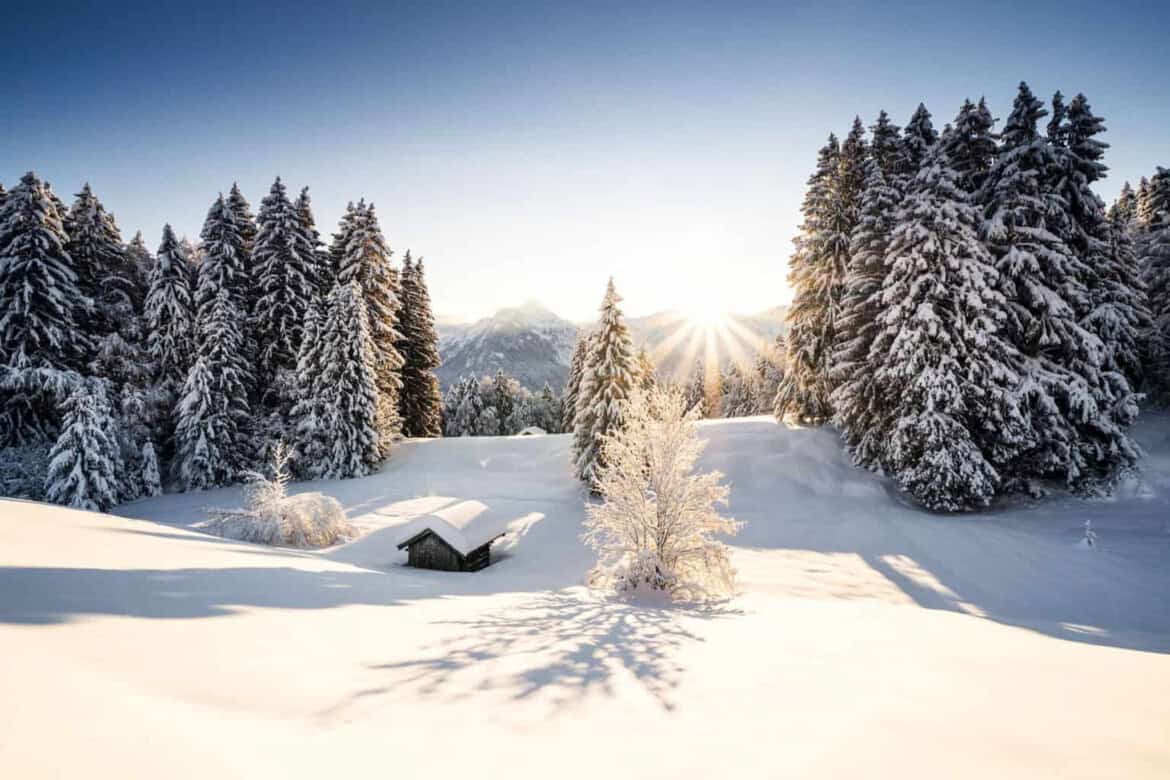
pixel 869 638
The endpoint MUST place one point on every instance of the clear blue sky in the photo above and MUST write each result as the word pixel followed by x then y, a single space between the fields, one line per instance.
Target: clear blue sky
pixel 530 150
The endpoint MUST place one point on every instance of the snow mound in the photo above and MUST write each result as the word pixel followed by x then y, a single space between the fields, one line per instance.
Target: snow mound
pixel 306 521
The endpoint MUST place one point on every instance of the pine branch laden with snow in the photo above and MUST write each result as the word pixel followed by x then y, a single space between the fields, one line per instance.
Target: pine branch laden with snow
pixel 656 527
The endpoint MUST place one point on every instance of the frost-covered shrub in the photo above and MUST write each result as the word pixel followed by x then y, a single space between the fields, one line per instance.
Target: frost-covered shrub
pixel 271 516
pixel 655 529
pixel 23 470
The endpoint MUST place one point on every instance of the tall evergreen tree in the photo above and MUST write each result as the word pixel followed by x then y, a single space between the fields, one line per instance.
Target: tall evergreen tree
pixel 170 316
pixel 38 296
pixel 970 146
pixel 104 273
pixel 1041 277
pixel 309 244
pixel 170 334
pixel 1113 310
pixel 364 258
pixel 606 383
pixel 1155 264
pixel 804 393
pixel 141 263
pixel 309 446
pixel 573 383
pixel 284 270
pixel 419 402
pixel 348 386
pixel 917 138
pixel 213 417
pixel 1124 209
pixel 939 358
pixel 885 146
pixel 859 413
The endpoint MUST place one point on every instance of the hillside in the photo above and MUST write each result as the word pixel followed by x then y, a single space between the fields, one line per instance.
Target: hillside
pixel 868 638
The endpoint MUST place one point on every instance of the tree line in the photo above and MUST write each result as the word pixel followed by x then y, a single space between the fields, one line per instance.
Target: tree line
pixel 122 369
pixel 966 310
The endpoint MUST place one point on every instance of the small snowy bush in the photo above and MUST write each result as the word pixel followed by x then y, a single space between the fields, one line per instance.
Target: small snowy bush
pixel 655 528
pixel 271 516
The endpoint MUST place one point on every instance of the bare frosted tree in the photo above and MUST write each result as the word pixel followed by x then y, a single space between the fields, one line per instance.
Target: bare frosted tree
pixel 656 527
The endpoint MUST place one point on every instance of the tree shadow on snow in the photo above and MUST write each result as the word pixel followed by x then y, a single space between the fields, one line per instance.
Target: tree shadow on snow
pixel 571 643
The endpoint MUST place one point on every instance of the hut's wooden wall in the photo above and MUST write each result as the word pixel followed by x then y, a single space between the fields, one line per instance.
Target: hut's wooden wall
pixel 431 552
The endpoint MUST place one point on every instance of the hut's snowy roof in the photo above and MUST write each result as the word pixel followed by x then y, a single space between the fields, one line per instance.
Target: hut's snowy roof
pixel 532 430
pixel 465 526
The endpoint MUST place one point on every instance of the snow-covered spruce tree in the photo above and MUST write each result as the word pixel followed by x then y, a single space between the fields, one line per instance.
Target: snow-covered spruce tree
pixel 169 324
pixel 170 316
pixel 1155 264
pixel 151 480
pixel 503 396
pixel 573 383
pixel 364 258
pixel 85 460
pixel 656 528
pixel 937 356
pixel 819 249
pixel 1118 313
pixel 1116 310
pixel 970 145
pixel 606 381
pixel 1038 277
pixel 245 222
pixel 38 299
pixel 420 402
pixel 695 391
pixel 740 388
pixel 1143 208
pixel 548 410
pixel 105 276
pixel 1124 209
pixel 140 263
pixel 466 420
pixel 213 416
pixel 222 261
pixel 860 415
pixel 307 453
pixel 1121 316
pixel 309 244
pixel 284 271
pixel 348 386
pixel 885 146
pixel 917 138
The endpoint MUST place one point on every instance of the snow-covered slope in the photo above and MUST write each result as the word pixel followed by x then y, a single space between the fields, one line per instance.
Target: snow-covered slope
pixel 868 638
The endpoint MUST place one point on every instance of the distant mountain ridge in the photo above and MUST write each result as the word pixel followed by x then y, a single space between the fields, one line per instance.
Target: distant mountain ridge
pixel 535 345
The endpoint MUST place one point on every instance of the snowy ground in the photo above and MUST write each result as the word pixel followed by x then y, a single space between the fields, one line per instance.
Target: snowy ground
pixel 869 638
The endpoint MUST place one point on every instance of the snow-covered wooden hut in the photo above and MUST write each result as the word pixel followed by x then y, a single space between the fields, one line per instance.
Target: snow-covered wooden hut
pixel 532 430
pixel 455 538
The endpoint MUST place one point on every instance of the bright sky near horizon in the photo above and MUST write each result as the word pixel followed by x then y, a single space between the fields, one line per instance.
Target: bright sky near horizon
pixel 530 150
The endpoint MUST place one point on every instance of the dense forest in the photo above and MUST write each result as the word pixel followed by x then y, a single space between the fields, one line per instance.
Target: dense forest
pixel 122 370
